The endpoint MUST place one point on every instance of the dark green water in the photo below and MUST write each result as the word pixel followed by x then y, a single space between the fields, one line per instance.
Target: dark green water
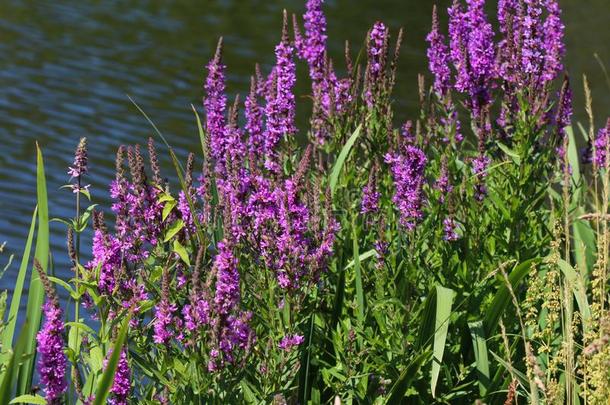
pixel 67 66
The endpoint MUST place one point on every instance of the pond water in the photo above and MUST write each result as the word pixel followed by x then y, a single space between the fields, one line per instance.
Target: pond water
pixel 67 67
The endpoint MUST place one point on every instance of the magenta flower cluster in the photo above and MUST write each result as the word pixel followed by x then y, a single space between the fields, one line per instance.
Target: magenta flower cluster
pixel 52 364
pixel 407 170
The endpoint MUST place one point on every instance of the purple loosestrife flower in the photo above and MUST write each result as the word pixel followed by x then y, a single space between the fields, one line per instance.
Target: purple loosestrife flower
pixel 377 48
pixel 472 52
pixel 601 145
pixel 370 195
pixel 197 313
pixel 52 365
pixel 449 228
pixel 164 313
pixel 532 56
pixel 121 385
pixel 554 47
pixel 407 171
pixel 564 110
pixel 254 122
pixel 438 58
pixel 79 168
pixel 481 55
pixel 443 184
pixel 479 169
pixel 407 132
pixel 106 255
pixel 288 342
pixel 510 16
pixel 215 103
pixel 458 40
pixel 314 44
pixel 280 109
pixel 164 319
pixel 227 294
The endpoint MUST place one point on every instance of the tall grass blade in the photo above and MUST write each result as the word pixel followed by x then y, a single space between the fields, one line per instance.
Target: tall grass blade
pixel 576 282
pixel 12 368
pixel 479 344
pixel 201 132
pixel 444 302
pixel 358 277
pixel 36 292
pixel 13 313
pixel 336 170
pixel 400 387
pixel 502 297
pixel 427 321
pixel 105 383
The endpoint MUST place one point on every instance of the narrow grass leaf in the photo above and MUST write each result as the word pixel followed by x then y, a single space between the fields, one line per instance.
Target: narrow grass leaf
pixel 29 399
pixel 36 292
pixel 502 297
pixel 13 313
pixel 336 170
pixel 479 344
pixel 576 282
pixel 105 383
pixel 400 387
pixel 444 302
pixel 358 277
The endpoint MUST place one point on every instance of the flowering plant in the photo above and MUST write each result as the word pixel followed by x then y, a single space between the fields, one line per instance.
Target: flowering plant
pixel 373 264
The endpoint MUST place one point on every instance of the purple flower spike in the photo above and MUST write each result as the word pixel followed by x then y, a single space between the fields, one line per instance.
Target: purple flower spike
pixel 377 57
pixel 79 168
pixel 288 342
pixel 215 103
pixel 449 227
pixel 314 45
pixel 254 122
pixel 281 104
pixel 227 283
pixel 479 169
pixel 370 195
pixel 554 47
pixel 52 364
pixel 408 174
pixel 438 57
pixel 600 158
pixel 121 386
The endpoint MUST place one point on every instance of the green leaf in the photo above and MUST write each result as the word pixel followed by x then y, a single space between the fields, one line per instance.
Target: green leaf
pixel 358 276
pixel 444 301
pixel 65 285
pixel 181 250
pixel 334 174
pixel 585 248
pixel 85 218
pixel 574 161
pixel 364 256
pixel 513 155
pixel 400 387
pixel 105 383
pixel 29 399
pixel 201 132
pixel 479 345
pixel 578 288
pixel 502 297
pixel 36 292
pixel 426 324
pixel 169 206
pixel 7 338
pixel 12 368
pixel 174 228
